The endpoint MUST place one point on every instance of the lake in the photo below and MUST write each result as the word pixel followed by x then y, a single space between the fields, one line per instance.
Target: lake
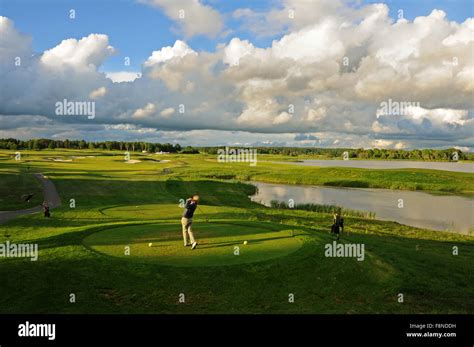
pixel 389 164
pixel 423 210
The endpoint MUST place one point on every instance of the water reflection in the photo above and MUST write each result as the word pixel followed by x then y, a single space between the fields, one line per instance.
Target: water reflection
pixel 390 164
pixel 447 213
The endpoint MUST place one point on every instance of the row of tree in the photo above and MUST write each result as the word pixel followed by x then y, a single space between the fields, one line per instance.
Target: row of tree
pixel 39 144
pixel 359 153
pixel 449 154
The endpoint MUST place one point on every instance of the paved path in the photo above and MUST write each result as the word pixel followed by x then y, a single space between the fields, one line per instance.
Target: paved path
pixel 50 194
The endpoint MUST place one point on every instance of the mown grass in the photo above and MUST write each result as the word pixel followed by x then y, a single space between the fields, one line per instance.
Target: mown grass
pixel 162 243
pixel 109 193
pixel 206 166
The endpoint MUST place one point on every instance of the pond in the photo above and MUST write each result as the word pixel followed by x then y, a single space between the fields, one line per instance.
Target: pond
pixel 389 164
pixel 423 210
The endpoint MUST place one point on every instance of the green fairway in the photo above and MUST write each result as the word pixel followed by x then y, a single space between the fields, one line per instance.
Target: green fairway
pixel 219 243
pixel 119 204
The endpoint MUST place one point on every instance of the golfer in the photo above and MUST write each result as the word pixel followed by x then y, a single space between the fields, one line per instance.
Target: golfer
pixel 187 221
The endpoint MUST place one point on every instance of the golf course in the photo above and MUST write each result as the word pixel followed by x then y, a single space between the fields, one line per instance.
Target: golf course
pixel 114 242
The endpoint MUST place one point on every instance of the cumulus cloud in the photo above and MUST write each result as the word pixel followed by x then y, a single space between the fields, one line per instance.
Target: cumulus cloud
pixel 439 115
pixel 291 14
pixel 144 112
pixel 88 52
pixel 387 144
pixel 236 49
pixel 192 16
pixel 282 118
pixel 167 112
pixel 327 75
pixel 13 43
pixel 122 76
pixel 179 50
pixel 98 93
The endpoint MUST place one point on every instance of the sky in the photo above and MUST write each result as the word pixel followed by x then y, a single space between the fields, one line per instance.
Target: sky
pixel 325 73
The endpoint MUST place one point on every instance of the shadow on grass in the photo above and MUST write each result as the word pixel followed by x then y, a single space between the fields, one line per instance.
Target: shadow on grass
pixel 239 242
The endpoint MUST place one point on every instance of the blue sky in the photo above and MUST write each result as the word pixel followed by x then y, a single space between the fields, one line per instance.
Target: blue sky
pixel 246 71
pixel 136 29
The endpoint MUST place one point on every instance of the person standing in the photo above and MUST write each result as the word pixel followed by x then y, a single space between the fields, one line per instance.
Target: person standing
pixel 187 221
pixel 46 212
pixel 338 222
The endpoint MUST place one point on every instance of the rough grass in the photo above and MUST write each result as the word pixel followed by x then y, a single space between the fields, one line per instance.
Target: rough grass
pixel 109 194
pixel 15 184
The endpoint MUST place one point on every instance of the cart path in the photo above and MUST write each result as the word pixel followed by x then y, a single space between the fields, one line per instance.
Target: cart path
pixel 50 195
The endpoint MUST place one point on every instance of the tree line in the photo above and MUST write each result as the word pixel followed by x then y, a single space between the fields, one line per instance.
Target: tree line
pixel 361 153
pixel 39 144
pixel 331 153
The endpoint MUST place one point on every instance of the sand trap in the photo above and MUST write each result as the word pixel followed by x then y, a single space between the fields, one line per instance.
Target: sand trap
pixel 59 159
pixel 133 161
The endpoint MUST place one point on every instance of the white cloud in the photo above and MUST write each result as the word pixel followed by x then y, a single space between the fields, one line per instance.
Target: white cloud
pixel 259 112
pixel 243 87
pixel 316 114
pixel 98 93
pixel 167 112
pixel 88 52
pixel 179 50
pixel 192 17
pixel 387 144
pixel 144 112
pixel 463 35
pixel 291 15
pixel 13 43
pixel 236 49
pixel 439 115
pixel 313 44
pixel 282 118
pixel 123 76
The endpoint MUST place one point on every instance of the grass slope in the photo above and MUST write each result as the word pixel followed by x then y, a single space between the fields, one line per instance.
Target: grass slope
pixel 399 259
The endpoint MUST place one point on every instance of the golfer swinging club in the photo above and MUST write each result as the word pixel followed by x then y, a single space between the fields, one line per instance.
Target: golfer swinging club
pixel 187 221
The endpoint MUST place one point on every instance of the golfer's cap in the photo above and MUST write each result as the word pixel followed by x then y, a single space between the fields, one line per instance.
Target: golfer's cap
pixel 196 197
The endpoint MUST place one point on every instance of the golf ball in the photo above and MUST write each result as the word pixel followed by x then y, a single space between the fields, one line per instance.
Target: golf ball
pixel 150 244
pixel 245 242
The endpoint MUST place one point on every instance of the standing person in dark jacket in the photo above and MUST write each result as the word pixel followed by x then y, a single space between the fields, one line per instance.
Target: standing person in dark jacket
pixel 187 221
pixel 46 212
pixel 338 222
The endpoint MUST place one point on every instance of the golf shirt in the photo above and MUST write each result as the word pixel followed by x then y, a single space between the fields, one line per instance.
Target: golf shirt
pixel 189 208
